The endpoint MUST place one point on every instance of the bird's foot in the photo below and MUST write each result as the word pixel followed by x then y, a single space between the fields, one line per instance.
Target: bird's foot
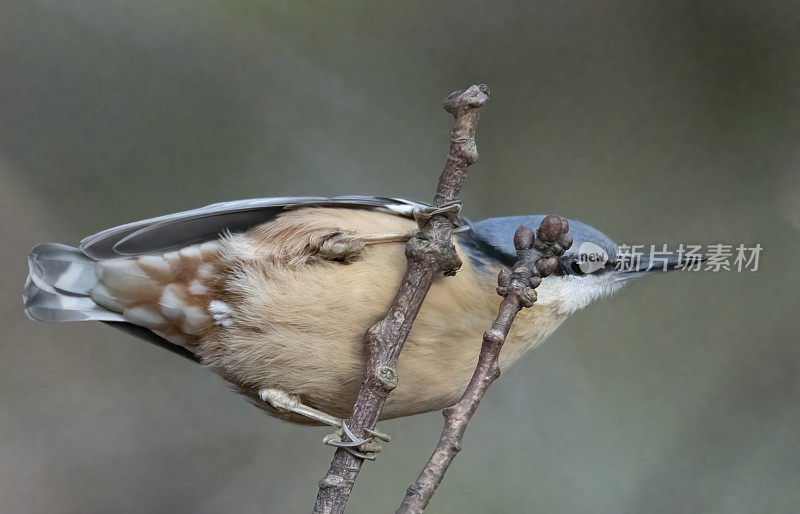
pixel 361 448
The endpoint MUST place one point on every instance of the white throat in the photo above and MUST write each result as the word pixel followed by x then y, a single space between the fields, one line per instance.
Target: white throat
pixel 570 293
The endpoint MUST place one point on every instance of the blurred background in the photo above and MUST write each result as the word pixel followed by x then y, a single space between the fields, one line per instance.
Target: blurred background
pixel 663 122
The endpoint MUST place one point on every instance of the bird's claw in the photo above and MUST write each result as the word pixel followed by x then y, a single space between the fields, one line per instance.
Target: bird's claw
pixel 361 448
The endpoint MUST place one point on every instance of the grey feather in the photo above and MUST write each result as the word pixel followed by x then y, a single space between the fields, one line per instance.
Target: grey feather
pixel 43 305
pixel 63 267
pixel 59 280
pixel 492 239
pixel 195 226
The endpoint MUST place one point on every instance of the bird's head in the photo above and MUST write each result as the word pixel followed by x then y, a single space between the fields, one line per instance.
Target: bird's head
pixel 593 267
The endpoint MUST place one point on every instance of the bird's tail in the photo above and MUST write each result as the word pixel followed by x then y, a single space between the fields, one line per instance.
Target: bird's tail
pixel 60 279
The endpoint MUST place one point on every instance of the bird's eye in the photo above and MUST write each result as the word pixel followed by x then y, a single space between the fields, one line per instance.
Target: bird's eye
pixel 575 268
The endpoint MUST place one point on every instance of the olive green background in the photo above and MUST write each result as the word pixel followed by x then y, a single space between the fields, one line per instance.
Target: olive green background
pixel 661 122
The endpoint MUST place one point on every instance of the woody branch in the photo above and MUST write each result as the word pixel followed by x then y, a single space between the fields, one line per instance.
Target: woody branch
pixel 430 253
pixel 536 258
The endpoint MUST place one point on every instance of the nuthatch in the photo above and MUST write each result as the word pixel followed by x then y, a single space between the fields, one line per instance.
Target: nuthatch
pixel 275 295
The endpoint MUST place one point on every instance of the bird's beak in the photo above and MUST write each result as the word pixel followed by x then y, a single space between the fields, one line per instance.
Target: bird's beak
pixel 631 265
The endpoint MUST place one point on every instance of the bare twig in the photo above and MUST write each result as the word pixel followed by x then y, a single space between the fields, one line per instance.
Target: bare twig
pixel 536 258
pixel 429 253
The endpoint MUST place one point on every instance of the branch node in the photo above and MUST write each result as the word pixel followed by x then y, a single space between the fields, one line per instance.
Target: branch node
pixel 523 238
pixel 494 337
pixel 546 266
pixel 470 98
pixel 387 377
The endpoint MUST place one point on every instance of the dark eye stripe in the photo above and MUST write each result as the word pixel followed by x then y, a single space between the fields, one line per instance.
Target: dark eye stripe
pixel 568 265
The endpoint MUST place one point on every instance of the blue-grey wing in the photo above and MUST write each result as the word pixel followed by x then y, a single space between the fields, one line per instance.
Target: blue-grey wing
pixel 206 223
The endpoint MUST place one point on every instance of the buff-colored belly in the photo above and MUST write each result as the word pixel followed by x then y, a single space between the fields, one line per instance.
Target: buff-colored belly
pixel 300 329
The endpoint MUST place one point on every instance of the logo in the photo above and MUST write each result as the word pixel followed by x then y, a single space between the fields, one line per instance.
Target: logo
pixel 591 257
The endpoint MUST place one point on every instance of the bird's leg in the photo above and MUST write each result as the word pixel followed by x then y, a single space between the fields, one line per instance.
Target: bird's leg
pixel 392 237
pixel 362 448
pixel 399 237
pixel 346 246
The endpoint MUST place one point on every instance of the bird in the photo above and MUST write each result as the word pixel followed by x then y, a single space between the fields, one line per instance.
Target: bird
pixel 275 294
